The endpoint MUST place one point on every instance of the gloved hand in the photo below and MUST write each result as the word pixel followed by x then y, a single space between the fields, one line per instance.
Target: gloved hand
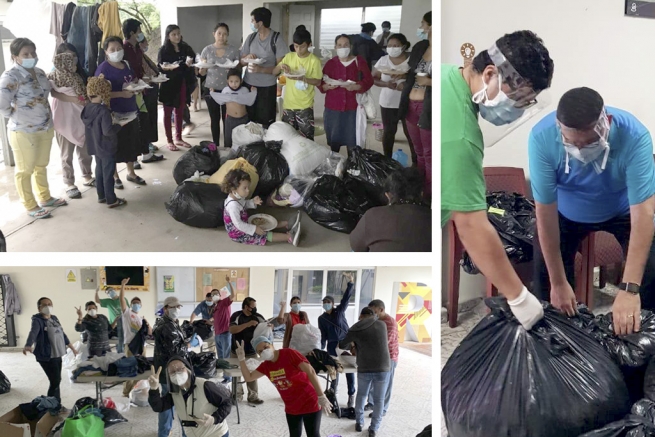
pixel 325 404
pixel 527 309
pixel 153 379
pixel 207 421
pixel 241 352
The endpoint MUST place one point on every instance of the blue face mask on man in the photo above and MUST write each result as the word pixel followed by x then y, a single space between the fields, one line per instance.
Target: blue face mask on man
pixel 136 307
pixel 140 37
pixel 253 27
pixel 500 115
pixel 327 306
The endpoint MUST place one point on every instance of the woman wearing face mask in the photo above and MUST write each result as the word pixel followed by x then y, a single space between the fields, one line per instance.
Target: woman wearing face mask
pixel 98 327
pixel 397 59
pixel 202 406
pixel 219 52
pixel 416 101
pixel 119 73
pixel 24 93
pixel 340 116
pixel 291 319
pixel 51 342
pixel 68 82
pixel 295 380
pixel 175 94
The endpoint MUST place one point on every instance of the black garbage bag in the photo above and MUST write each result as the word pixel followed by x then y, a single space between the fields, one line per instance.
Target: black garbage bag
pixel 332 397
pixel 81 403
pixel 427 432
pixel 631 426
pixel 3 242
pixel 338 204
pixel 111 417
pixel 203 330
pixel 204 364
pixel 554 380
pixel 5 384
pixel 204 159
pixel 514 218
pixel 187 328
pixel 271 166
pixel 197 204
pixel 649 381
pixel 371 168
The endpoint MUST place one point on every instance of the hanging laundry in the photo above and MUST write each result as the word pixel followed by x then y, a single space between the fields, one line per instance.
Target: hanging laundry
pixel 56 21
pixel 67 20
pixel 12 301
pixel 82 36
pixel 109 20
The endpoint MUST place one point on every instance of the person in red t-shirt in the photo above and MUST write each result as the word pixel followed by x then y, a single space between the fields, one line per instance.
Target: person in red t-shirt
pixel 291 319
pixel 295 380
pixel 221 312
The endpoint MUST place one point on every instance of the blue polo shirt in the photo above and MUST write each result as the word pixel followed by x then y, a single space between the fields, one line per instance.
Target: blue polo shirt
pixel 582 195
pixel 202 310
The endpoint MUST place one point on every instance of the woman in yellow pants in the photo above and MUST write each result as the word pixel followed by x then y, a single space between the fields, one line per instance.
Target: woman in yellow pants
pixel 24 93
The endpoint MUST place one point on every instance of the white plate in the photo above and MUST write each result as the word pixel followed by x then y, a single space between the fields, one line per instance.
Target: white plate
pixel 293 76
pixel 228 64
pixel 269 225
pixel 392 72
pixel 253 61
pixel 204 65
pixel 159 79
pixel 167 66
pixel 123 120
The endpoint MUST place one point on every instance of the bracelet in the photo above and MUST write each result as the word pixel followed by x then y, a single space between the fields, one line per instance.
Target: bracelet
pixel 630 287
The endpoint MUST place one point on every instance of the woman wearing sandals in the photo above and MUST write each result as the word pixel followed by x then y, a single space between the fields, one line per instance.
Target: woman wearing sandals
pixel 175 59
pixel 24 93
pixel 218 53
pixel 123 104
pixel 68 82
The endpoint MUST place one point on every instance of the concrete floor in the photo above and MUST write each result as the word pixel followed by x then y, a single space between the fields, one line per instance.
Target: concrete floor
pixel 143 225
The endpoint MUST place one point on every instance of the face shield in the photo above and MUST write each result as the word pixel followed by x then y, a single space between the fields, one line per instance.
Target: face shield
pixel 512 108
pixel 586 147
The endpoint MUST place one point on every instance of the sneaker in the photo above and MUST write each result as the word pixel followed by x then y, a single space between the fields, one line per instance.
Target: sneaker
pixel 383 414
pixel 255 401
pixel 358 427
pixel 368 407
pixel 294 236
pixel 296 222
pixel 351 401
pixel 188 129
pixel 371 433
pixel 152 148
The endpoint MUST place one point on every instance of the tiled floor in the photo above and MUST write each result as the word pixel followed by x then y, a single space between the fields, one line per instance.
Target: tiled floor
pixel 409 399
pixel 452 337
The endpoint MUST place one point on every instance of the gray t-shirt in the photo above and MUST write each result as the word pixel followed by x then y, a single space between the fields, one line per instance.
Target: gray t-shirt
pixel 217 76
pixel 263 50
pixel 56 338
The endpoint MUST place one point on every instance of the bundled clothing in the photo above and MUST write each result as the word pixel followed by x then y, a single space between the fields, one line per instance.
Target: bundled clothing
pixel 109 20
pixel 321 361
pixel 290 320
pixel 39 406
pixel 12 301
pixel 137 345
pixel 98 328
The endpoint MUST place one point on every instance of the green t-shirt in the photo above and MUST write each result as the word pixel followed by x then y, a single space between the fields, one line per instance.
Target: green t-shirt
pixel 114 307
pixel 462 147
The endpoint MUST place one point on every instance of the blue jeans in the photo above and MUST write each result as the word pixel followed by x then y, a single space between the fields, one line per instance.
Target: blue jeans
pixel 223 347
pixel 350 377
pixel 378 382
pixel 121 335
pixel 387 396
pixel 166 418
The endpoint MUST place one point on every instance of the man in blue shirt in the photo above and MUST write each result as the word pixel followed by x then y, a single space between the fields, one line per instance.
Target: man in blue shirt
pixel 592 169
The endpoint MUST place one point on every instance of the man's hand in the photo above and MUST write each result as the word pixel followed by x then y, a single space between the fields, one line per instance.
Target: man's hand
pixel 125 281
pixel 257 200
pixel 27 349
pixel 626 313
pixel 209 322
pixel 250 56
pixel 241 352
pixel 254 68
pixel 127 94
pixel 79 312
pixel 563 298
pixel 325 404
pixel 202 71
pixel 206 422
pixel 527 309
pixel 253 323
pixel 349 277
pixel 153 379
pixel 260 231
pixel 400 86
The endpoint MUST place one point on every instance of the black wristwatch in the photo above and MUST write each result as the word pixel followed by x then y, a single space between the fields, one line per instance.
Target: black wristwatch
pixel 630 287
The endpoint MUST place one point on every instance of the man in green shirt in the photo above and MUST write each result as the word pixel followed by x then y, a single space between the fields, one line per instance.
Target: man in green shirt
pixel 500 83
pixel 113 305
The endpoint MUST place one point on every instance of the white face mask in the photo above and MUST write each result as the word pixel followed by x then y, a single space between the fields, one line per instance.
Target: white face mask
pixel 216 298
pixel 267 354
pixel 589 154
pixel 116 56
pixel 394 52
pixel 47 311
pixel 173 313
pixel 237 195
pixel 93 313
pixel 179 378
pixel 343 53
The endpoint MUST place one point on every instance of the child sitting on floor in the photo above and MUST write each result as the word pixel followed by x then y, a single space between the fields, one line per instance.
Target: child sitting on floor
pixel 236 97
pixel 237 186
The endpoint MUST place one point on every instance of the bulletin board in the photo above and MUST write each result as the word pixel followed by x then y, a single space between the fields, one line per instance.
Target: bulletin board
pixel 208 278
pixel 644 9
pixel 128 287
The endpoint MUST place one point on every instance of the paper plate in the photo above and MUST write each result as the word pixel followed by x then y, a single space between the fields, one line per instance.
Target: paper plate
pixel 253 61
pixel 268 224
pixel 204 65
pixel 392 72
pixel 228 64
pixel 159 79
pixel 293 76
pixel 167 66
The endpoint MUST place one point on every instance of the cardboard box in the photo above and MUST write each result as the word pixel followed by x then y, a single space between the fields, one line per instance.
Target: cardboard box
pixel 37 429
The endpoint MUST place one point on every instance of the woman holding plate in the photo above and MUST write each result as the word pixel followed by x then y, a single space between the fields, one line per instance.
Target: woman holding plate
pixel 218 53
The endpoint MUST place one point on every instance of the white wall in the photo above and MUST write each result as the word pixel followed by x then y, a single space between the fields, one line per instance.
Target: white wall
pixel 386 277
pixel 412 14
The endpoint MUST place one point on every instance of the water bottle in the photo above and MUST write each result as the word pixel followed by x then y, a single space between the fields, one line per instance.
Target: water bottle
pixel 401 157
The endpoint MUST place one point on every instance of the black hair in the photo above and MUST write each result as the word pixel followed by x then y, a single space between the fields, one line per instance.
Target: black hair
pixel 168 45
pixel 343 35
pixel 428 17
pixel 134 299
pixel 295 298
pixel 376 303
pixel 527 54
pixel 208 295
pixel 38 303
pixel 130 26
pixel 301 27
pixel 262 14
pixel 66 47
pixel 233 179
pixel 366 311
pixel 368 28
pixel 301 37
pixel 215 289
pixel 579 108
pixel 404 185
pixel 88 304
pixel 246 302
pixel 219 25
pixel 110 40
pixel 402 39
pixel 234 72
pixel 17 45
pixel 387 23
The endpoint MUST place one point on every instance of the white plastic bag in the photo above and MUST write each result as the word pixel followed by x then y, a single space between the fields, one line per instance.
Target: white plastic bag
pixel 302 155
pixel 198 177
pixel 71 361
pixel 305 338
pixel 247 134
pixel 263 330
pixel 122 406
pixel 139 394
pixel 361 123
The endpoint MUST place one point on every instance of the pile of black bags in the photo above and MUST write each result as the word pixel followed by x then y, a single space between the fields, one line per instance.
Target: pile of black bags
pixel 197 204
pixel 5 384
pixel 204 364
pixel 272 167
pixel 203 158
pixel 372 169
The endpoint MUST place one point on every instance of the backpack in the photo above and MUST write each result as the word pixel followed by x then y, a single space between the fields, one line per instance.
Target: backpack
pixel 253 35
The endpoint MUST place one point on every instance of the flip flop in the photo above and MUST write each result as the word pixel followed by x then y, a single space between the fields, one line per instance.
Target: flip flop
pixel 137 180
pixel 40 213
pixel 53 202
pixel 182 144
pixel 91 183
pixel 172 147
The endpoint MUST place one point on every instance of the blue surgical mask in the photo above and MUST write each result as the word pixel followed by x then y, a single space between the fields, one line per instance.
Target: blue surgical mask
pixel 500 115
pixel 302 86
pixel 421 34
pixel 327 306
pixel 136 307
pixel 29 62
pixel 252 27
pixel 113 294
pixel 140 37
pixel 296 307
pixel 209 303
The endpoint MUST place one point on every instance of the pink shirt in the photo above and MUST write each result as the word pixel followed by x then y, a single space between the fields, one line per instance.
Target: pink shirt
pixel 392 335
pixel 67 117
pixel 222 316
